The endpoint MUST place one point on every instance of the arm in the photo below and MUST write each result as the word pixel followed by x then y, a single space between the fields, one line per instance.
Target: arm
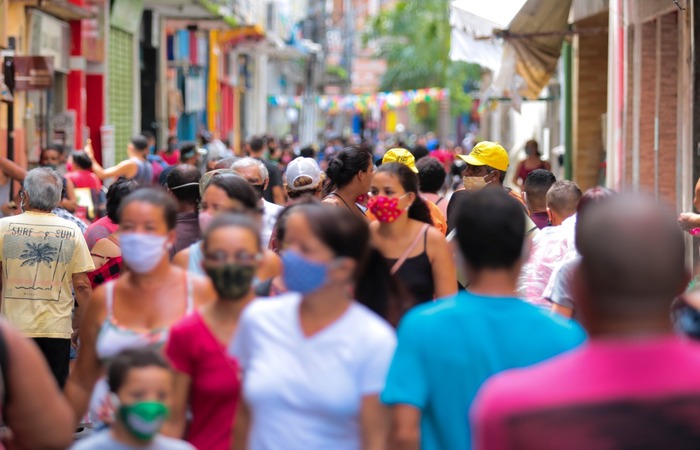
pixel 374 423
pixel 405 432
pixel 70 203
pixel 38 415
pixel 696 199
pixel 126 168
pixel 241 426
pixel 88 367
pixel 442 263
pixel 83 293
pixel 562 310
pixel 516 175
pixel 175 426
pixel 12 170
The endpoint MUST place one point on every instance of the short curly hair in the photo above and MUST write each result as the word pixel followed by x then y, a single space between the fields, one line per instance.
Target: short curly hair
pixel 431 174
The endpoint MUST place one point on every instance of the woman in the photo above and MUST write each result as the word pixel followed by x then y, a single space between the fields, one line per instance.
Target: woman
pixel 532 162
pixel 139 308
pixel 417 252
pixel 206 378
pixel 349 175
pixel 314 361
pixel 227 192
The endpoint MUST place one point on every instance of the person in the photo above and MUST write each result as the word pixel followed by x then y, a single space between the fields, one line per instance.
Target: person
pixel 314 360
pixel 431 178
pixel 9 172
pixel 349 176
pixel 32 405
pixel 256 174
pixel 190 155
pixel 559 290
pixel 551 245
pixel 171 152
pixel 141 387
pixel 206 377
pixel 226 163
pixel 183 184
pixel 138 308
pixel 227 192
pixel 416 252
pixel 43 258
pixel 157 163
pixel 535 190
pixel 273 191
pixel 136 167
pixel 50 157
pixel 532 162
pixel 109 224
pixel 87 187
pixel 303 177
pixel 635 383
pixel 447 350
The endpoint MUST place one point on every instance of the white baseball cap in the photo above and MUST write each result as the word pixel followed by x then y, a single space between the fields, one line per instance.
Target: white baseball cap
pixel 302 167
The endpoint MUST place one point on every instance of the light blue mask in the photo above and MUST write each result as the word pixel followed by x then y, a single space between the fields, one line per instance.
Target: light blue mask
pixel 301 275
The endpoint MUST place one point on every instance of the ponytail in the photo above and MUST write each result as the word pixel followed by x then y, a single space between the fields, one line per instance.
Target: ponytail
pixel 420 211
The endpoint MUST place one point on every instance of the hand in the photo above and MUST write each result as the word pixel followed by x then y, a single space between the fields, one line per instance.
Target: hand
pixel 688 221
pixel 88 149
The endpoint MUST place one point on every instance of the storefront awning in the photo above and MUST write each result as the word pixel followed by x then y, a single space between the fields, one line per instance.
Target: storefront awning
pixel 194 10
pixel 242 33
pixel 64 10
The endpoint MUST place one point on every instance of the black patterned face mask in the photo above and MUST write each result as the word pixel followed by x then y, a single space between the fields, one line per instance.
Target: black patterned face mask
pixel 231 281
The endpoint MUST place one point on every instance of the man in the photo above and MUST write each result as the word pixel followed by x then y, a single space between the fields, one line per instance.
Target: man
pixel 636 384
pixel 535 190
pixel 255 172
pixel 302 178
pixel 552 244
pixel 157 163
pixel 446 350
pixel 51 157
pixel 183 183
pixel 190 154
pixel 44 257
pixel 215 149
pixel 273 192
pixel 136 167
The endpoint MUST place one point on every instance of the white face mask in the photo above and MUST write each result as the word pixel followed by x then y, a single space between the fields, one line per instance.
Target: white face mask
pixel 142 252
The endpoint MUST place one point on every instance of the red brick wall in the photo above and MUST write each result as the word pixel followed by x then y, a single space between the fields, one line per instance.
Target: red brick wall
pixel 647 108
pixel 668 119
pixel 629 109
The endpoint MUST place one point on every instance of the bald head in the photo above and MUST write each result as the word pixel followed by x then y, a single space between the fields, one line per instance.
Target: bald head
pixel 562 200
pixel 633 259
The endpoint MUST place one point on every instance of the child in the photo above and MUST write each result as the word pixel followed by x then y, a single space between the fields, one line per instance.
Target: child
pixel 140 382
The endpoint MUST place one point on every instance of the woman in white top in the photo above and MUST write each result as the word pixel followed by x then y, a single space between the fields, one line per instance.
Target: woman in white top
pixel 314 361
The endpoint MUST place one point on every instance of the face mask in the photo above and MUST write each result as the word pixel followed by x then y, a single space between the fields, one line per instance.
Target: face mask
pixel 143 419
pixel 301 275
pixel 205 219
pixel 231 281
pixel 142 252
pixel 385 209
pixel 259 189
pixel 474 183
pixel 362 199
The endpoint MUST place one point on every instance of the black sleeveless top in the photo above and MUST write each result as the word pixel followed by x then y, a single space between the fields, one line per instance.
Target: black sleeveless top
pixel 416 274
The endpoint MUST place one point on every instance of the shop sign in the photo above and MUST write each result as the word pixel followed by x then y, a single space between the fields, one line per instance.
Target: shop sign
pixel 33 73
pixel 49 36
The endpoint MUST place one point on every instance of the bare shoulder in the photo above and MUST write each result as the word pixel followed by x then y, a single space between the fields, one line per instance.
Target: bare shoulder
pixel 331 200
pixel 105 247
pixel 182 258
pixel 204 292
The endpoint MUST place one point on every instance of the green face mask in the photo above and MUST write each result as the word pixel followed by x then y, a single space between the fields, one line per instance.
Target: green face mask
pixel 231 281
pixel 143 419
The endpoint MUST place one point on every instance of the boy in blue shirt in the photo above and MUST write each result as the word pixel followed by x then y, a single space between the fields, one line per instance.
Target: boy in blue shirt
pixel 446 350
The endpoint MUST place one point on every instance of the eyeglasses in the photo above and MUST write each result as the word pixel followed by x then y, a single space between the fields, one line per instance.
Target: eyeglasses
pixel 242 257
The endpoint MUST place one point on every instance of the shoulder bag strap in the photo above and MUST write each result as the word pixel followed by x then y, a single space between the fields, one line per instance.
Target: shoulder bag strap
pixel 408 251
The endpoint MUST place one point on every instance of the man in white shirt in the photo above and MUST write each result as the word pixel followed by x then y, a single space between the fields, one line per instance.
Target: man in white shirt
pixel 255 172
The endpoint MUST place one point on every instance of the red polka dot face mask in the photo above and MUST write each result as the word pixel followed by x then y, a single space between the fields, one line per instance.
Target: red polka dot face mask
pixel 385 209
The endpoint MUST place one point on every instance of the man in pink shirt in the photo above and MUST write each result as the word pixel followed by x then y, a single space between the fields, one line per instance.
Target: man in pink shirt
pixel 635 384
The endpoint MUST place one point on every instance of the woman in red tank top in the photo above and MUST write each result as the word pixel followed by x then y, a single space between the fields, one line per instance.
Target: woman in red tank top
pixel 529 164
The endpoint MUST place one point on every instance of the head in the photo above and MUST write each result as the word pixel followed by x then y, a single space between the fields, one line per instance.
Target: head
pixel 535 189
pixel 225 163
pixel 189 153
pixel 303 177
pixel 172 144
pixel 254 172
pixel 41 190
pixel 491 232
pixel 228 192
pixel 150 138
pixel 307 152
pixel 277 239
pixel 532 148
pixel 140 382
pixel 486 165
pixel 431 175
pixel 183 183
pixel 395 190
pixel 115 194
pixel 51 156
pixel 562 201
pixel 138 145
pixel 352 167
pixel 593 196
pixel 632 266
pixel 420 151
pixel 400 155
pixel 147 219
pixel 82 160
pixel 232 254
pixel 255 146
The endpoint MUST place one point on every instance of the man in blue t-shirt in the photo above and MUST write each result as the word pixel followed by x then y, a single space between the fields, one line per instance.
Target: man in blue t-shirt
pixel 446 350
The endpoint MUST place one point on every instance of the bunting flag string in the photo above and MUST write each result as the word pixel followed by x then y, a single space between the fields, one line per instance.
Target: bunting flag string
pixel 361 103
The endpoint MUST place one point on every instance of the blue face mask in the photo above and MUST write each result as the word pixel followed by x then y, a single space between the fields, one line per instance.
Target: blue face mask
pixel 301 275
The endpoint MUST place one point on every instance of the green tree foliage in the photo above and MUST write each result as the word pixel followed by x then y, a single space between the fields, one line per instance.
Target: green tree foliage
pixel 414 38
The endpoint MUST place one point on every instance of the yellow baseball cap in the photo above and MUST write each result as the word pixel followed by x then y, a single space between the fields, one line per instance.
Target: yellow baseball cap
pixel 487 153
pixel 400 155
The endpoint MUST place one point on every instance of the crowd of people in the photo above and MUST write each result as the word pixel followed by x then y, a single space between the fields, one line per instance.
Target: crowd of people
pixel 346 297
